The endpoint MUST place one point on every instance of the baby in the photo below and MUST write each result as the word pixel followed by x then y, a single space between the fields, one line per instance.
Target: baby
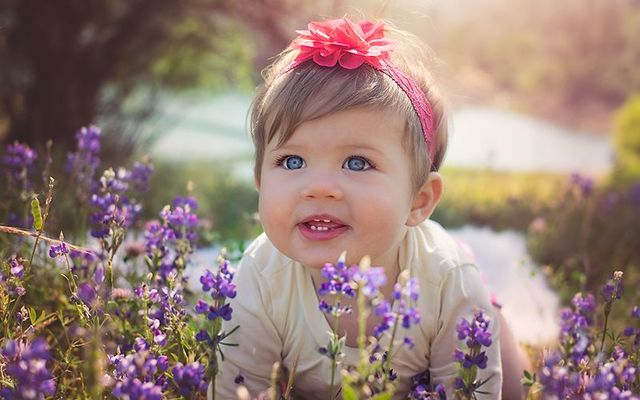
pixel 349 132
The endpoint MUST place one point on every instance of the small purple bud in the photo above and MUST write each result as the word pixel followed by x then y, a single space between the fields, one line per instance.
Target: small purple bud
pixel 408 341
pixel 202 335
pixel 57 250
pixel 16 268
pixel 140 344
pixel 99 274
pixel 87 293
pixel 201 307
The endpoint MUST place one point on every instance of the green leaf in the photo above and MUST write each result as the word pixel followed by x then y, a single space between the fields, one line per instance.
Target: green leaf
pixel 36 213
pixel 349 393
pixel 33 317
pixel 42 317
pixel 382 396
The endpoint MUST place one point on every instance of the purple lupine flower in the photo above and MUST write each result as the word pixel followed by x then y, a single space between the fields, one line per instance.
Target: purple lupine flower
pixel 26 364
pixel 575 324
pixel 613 380
pixel 22 315
pixel 98 275
pixel 170 242
pixel 371 280
pixel 584 304
pixel 16 268
pixel 409 342
pixel 159 337
pixel 14 278
pixel 407 314
pixel 82 262
pixel 115 210
pixel 190 379
pixel 325 307
pixel 422 389
pixel 202 336
pixel 84 162
pixel 219 283
pixel 388 319
pixel 140 344
pixel 221 288
pixel 475 332
pixel 58 250
pixel 139 376
pixel 140 175
pixel 18 161
pixel 165 305
pixel 584 184
pixel 337 281
pixel 557 380
pixel 612 290
pixel 181 220
pixel 631 331
pixel 87 293
pixel 180 201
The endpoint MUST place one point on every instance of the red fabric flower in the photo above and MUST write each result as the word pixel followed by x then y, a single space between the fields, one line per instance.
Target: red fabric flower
pixel 340 41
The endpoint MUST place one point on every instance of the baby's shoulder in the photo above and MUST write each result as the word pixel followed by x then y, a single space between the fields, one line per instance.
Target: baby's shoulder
pixel 438 254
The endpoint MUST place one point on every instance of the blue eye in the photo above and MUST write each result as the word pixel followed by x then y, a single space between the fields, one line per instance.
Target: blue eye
pixel 292 162
pixel 356 163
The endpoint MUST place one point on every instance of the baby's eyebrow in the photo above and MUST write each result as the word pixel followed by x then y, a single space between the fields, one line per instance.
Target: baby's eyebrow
pixel 288 146
pixel 362 147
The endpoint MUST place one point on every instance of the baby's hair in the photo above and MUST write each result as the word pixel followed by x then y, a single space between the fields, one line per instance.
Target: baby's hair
pixel 309 91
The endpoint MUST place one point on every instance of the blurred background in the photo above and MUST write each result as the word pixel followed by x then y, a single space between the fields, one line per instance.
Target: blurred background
pixel 543 170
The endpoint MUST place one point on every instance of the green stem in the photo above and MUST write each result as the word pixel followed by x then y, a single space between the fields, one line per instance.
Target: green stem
pixel 607 310
pixel 362 323
pixel 33 252
pixel 73 281
pixel 336 324
pixel 388 361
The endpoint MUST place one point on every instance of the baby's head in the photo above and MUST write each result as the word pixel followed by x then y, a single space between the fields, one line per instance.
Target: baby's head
pixel 346 155
pixel 288 98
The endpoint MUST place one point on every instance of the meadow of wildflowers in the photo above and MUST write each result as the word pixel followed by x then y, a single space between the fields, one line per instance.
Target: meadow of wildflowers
pixel 104 310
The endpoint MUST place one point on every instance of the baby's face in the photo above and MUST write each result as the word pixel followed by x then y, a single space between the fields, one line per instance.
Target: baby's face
pixel 341 182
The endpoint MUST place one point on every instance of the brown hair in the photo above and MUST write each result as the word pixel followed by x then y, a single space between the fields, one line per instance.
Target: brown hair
pixel 310 91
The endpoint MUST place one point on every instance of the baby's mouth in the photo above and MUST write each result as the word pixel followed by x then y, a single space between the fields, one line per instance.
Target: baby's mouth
pixel 322 227
pixel 322 224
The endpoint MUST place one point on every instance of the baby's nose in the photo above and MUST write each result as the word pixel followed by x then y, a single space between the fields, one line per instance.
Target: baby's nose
pixel 322 185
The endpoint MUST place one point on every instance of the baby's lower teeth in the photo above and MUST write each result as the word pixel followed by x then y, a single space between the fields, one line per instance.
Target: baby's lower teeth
pixel 319 228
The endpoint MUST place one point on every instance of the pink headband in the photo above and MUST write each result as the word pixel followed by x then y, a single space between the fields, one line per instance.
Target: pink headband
pixel 340 41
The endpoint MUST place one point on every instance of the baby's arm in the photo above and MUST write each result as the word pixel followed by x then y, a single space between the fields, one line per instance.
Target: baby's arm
pixel 259 344
pixel 462 293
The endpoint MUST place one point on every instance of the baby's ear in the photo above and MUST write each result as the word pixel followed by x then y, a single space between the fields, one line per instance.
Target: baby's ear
pixel 426 199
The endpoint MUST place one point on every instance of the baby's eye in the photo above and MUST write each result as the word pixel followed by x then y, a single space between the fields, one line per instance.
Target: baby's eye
pixel 292 162
pixel 357 163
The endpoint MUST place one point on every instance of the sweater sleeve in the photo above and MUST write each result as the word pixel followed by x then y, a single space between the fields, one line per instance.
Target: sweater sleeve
pixel 259 343
pixel 462 293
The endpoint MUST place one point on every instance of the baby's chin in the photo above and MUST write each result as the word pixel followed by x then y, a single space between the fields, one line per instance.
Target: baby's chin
pixel 320 262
